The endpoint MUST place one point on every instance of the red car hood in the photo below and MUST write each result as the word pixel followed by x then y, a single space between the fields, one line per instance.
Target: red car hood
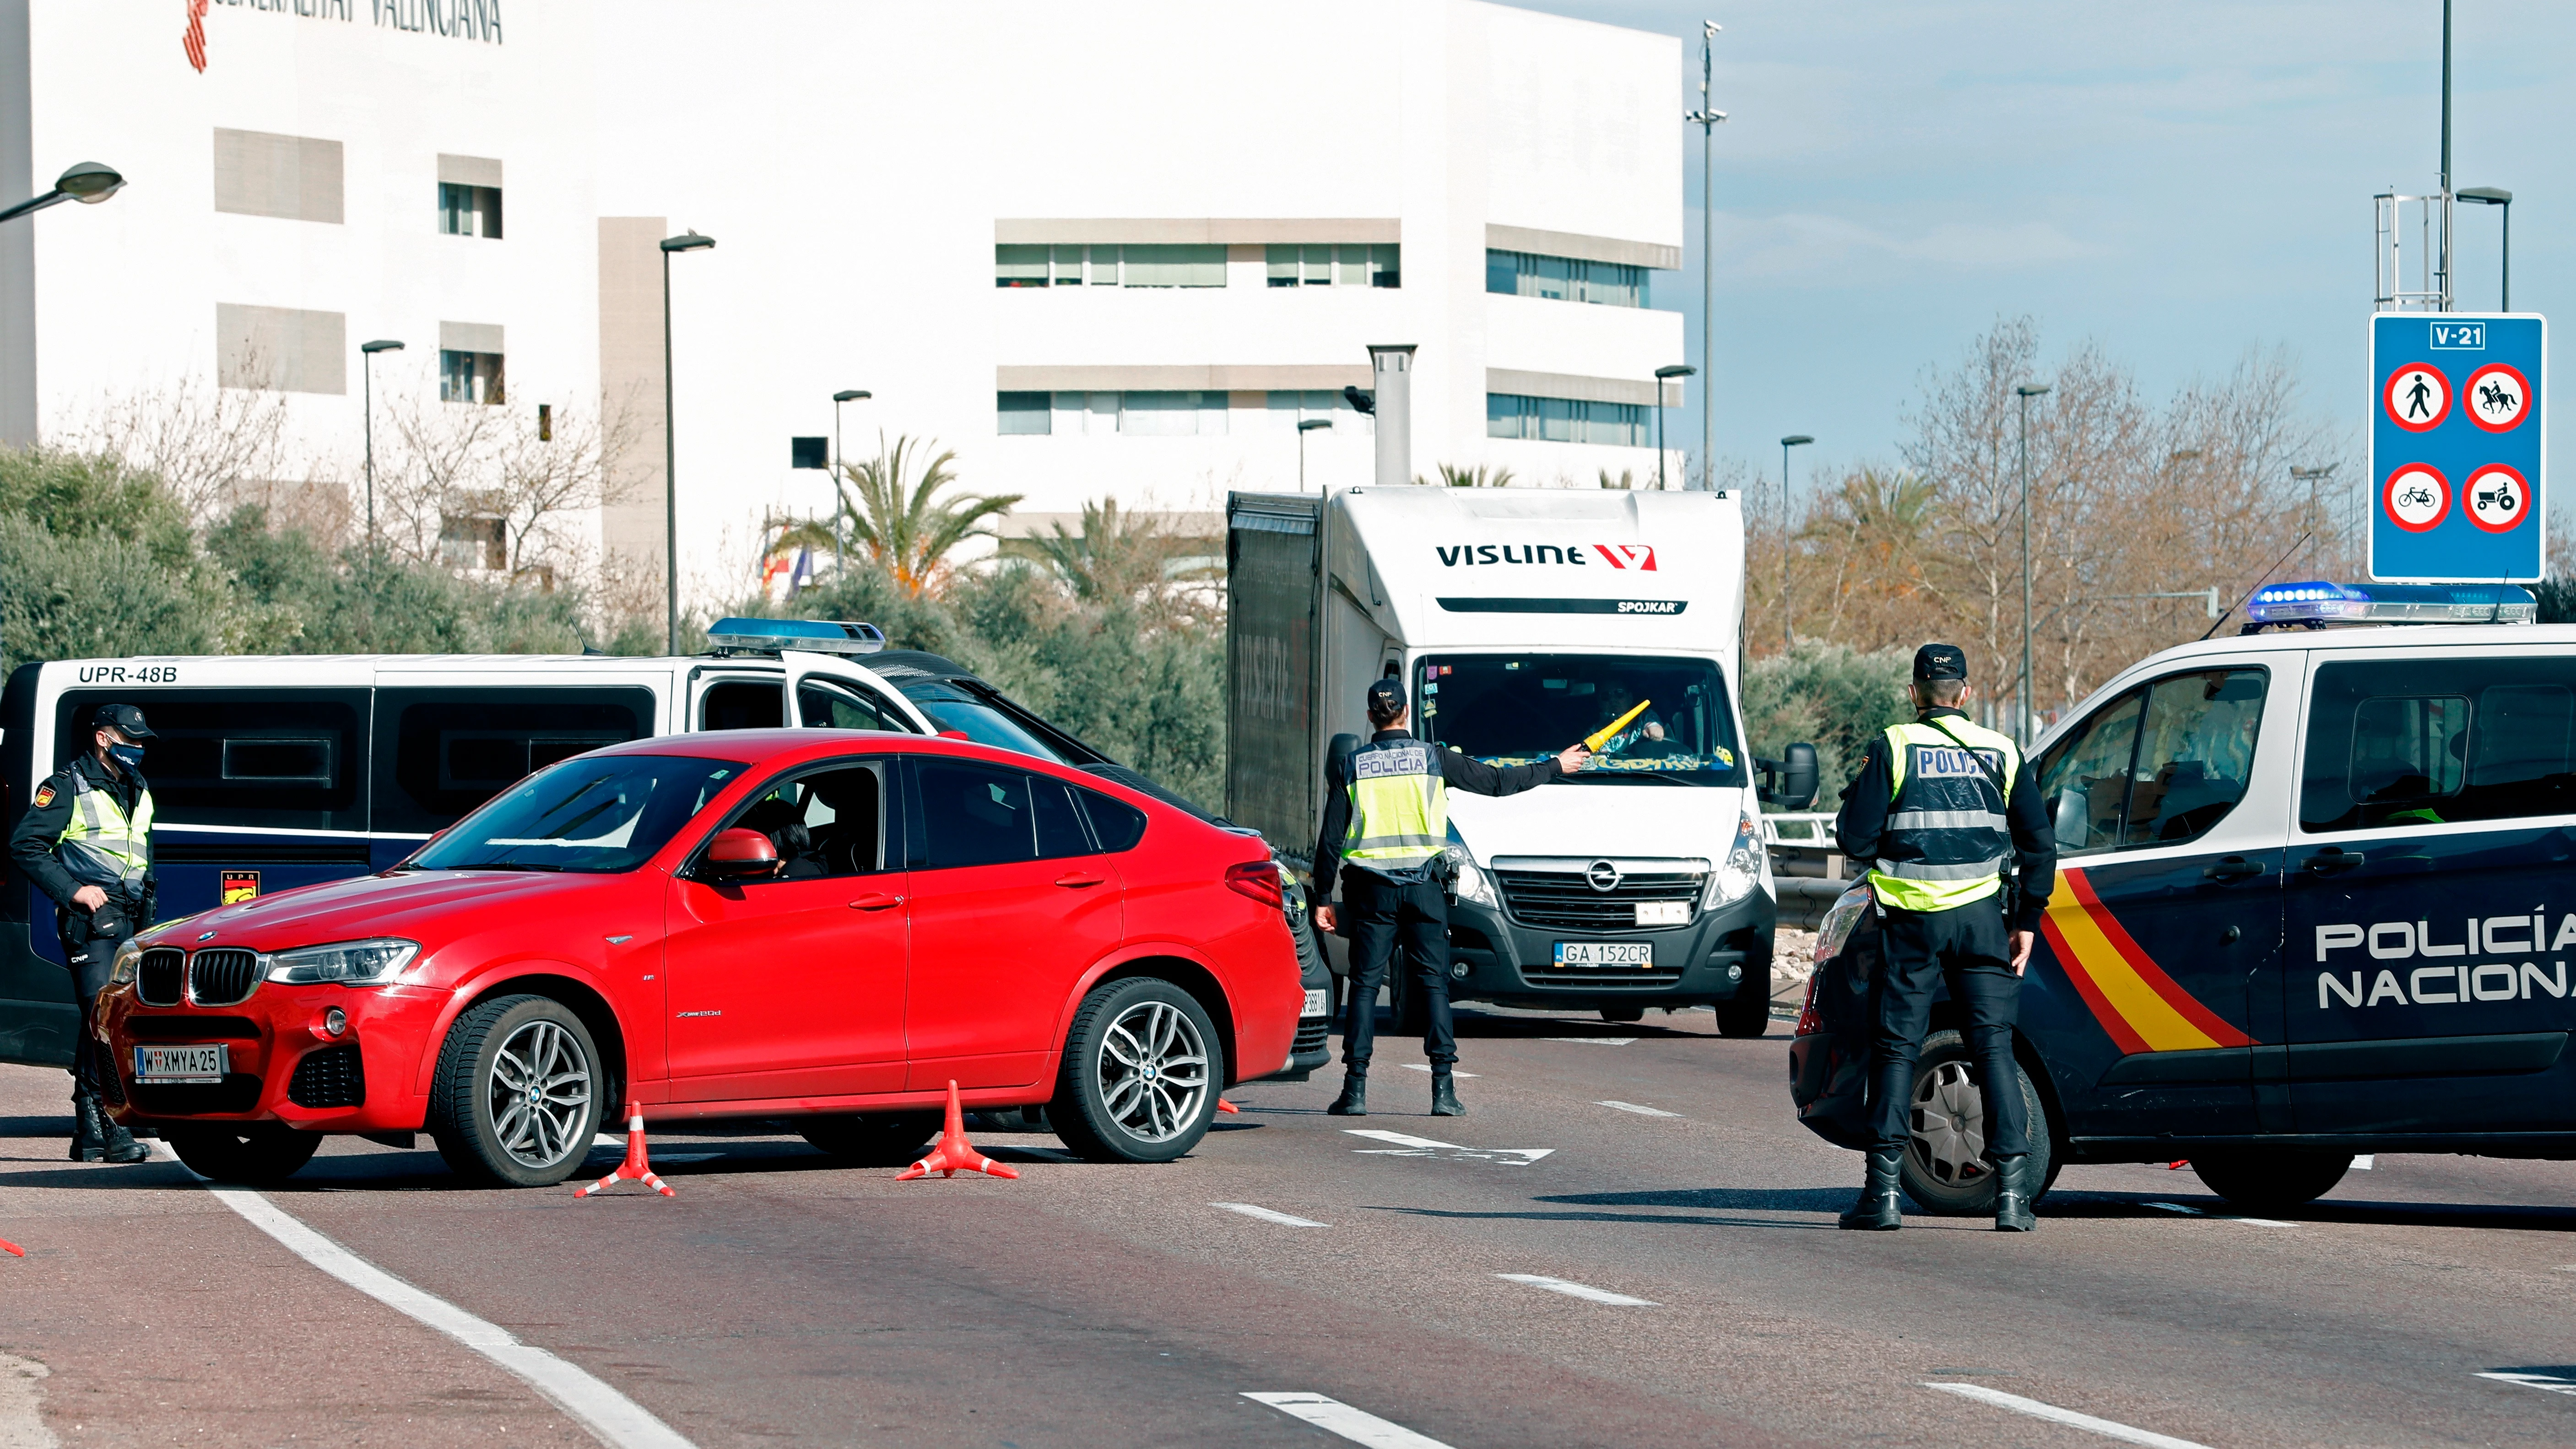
pixel 428 906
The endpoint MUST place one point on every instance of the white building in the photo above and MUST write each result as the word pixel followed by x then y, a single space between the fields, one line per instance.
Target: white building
pixel 1121 250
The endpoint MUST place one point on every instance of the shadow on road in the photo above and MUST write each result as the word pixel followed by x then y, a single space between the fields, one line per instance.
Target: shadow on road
pixel 1740 1199
pixel 1633 1219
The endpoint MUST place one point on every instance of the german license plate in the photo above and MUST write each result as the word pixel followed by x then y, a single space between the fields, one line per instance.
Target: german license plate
pixel 1663 913
pixel 1604 953
pixel 181 1063
pixel 1318 1002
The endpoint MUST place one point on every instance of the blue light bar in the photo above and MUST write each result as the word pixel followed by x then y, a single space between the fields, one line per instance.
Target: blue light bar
pixel 816 636
pixel 2319 604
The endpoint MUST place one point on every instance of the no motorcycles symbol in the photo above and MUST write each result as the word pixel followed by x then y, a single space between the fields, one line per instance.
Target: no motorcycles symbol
pixel 2416 497
pixel 2498 397
pixel 2497 498
pixel 2418 397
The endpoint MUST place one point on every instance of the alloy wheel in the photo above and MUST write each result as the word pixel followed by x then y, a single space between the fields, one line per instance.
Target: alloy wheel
pixel 1153 1071
pixel 1948 1124
pixel 539 1094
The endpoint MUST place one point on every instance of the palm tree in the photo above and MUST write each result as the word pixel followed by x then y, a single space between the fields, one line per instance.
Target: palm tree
pixel 894 516
pixel 1477 477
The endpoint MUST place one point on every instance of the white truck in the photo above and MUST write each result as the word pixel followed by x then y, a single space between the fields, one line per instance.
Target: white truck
pixel 1522 621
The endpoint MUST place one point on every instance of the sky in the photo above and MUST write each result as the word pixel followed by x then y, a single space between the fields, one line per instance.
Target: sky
pixel 2179 182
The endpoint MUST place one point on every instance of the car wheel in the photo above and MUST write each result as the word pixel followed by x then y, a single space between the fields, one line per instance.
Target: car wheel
pixel 516 1098
pixel 2271 1179
pixel 251 1153
pixel 1747 1013
pixel 1140 1074
pixel 877 1139
pixel 1945 1169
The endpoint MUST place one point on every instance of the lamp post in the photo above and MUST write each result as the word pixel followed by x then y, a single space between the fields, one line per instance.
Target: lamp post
pixel 1706 118
pixel 87 182
pixel 845 395
pixel 367 370
pixel 1788 634
pixel 1303 428
pixel 2312 477
pixel 2498 196
pixel 1664 375
pixel 2026 392
pixel 689 242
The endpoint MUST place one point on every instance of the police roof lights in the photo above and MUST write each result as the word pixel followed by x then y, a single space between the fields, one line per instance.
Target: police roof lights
pixel 816 636
pixel 2320 604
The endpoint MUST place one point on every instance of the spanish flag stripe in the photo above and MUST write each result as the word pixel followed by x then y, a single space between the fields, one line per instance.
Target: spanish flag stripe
pixel 2209 1023
pixel 2129 1042
pixel 2131 999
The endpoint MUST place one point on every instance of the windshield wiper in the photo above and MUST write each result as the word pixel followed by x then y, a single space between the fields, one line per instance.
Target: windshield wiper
pixel 507 865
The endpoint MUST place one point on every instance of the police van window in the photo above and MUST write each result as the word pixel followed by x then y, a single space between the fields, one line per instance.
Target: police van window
pixel 2083 779
pixel 2195 754
pixel 823 705
pixel 441 752
pixel 288 759
pixel 740 704
pixel 827 823
pixel 2439 741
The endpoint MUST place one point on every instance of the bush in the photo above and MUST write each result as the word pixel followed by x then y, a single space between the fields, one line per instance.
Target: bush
pixel 309 602
pixel 1835 697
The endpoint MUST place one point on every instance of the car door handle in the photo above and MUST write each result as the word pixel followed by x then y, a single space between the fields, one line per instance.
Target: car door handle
pixel 2331 861
pixel 876 901
pixel 2233 867
pixel 1077 879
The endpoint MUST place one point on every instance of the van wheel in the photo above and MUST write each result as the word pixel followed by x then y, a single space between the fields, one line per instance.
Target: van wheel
pixel 876 1139
pixel 1745 1014
pixel 2271 1179
pixel 1945 1169
pixel 251 1153
pixel 516 1101
pixel 1140 1074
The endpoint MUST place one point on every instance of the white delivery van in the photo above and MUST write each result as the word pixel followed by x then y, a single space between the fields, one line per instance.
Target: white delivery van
pixel 1522 621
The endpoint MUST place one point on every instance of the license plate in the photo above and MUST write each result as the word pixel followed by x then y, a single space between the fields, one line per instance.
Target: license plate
pixel 1318 1003
pixel 1604 953
pixel 1663 913
pixel 181 1063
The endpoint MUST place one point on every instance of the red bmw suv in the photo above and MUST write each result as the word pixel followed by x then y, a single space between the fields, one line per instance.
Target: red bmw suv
pixel 827 927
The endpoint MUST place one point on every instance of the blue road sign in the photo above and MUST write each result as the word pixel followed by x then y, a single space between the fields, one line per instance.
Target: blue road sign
pixel 2457 447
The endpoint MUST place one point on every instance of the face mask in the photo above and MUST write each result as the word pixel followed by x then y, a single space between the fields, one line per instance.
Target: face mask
pixel 130 756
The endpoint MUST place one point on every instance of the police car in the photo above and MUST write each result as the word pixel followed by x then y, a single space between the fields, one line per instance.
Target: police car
pixel 2316 897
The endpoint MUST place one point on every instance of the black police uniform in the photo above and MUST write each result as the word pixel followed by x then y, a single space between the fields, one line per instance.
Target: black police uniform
pixel 1968 947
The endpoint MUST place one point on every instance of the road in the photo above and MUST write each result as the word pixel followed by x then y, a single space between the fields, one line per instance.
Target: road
pixel 781 1298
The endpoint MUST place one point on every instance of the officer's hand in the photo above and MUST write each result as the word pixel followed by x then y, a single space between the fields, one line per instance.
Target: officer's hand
pixel 1573 759
pixel 89 898
pixel 2021 942
pixel 1324 920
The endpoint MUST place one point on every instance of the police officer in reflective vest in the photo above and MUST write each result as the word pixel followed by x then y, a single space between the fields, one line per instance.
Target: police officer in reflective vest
pixel 1384 834
pixel 86 840
pixel 1942 806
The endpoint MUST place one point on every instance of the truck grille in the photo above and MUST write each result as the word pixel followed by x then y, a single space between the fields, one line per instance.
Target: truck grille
pixel 222 977
pixel 331 1077
pixel 156 976
pixel 1565 899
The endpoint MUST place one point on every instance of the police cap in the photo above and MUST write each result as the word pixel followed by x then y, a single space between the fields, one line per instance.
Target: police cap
pixel 122 717
pixel 1386 696
pixel 1940 661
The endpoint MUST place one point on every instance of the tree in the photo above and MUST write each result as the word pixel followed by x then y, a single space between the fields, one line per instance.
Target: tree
pixel 1121 554
pixel 893 511
pixel 1480 476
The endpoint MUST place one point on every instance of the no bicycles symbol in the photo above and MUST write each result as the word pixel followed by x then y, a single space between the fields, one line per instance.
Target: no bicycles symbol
pixel 2416 498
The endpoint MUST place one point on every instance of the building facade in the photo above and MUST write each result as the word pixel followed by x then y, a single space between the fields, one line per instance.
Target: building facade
pixel 1121 253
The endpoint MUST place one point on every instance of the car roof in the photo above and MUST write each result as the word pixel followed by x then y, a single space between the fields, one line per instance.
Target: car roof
pixel 2374 636
pixel 766 747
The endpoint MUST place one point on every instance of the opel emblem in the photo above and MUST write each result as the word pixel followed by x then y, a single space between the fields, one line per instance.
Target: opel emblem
pixel 1603 875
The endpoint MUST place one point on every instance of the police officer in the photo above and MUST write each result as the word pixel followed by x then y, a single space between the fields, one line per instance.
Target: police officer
pixel 1384 833
pixel 86 839
pixel 1941 805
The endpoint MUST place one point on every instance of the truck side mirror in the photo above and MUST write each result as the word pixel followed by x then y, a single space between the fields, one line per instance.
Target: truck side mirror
pixel 1798 776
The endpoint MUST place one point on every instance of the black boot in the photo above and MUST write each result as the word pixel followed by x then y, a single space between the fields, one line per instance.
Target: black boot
pixel 1877 1209
pixel 1353 1102
pixel 89 1133
pixel 120 1144
pixel 2012 1196
pixel 1444 1094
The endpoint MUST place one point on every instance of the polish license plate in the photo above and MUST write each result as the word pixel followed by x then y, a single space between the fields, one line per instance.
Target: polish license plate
pixel 1604 953
pixel 181 1063
pixel 1663 913
pixel 1318 1003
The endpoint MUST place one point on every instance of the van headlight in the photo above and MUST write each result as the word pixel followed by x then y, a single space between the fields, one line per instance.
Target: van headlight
pixel 121 971
pixel 349 963
pixel 1741 871
pixel 1470 882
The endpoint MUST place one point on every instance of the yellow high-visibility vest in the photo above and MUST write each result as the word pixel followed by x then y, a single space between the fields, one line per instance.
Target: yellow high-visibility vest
pixel 1399 807
pixel 1946 842
pixel 102 846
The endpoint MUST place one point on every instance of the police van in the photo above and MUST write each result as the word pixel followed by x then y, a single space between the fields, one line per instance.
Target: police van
pixel 2316 897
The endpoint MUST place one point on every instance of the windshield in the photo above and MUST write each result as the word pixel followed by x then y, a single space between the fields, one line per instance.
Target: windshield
pixel 1517 709
pixel 952 708
pixel 597 814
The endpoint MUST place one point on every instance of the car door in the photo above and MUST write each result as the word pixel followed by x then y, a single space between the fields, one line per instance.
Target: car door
pixel 795 986
pixel 1011 902
pixel 827 692
pixel 2162 937
pixel 2430 924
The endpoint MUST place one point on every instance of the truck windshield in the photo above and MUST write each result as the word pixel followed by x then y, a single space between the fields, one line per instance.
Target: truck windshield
pixel 591 814
pixel 1517 709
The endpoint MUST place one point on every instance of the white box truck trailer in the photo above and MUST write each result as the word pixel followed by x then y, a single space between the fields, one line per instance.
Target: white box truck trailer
pixel 1522 621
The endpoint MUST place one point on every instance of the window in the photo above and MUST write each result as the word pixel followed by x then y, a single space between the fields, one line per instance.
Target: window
pixel 741 704
pixel 469 377
pixel 1143 414
pixel 453 749
pixel 1019 266
pixel 590 816
pixel 1024 412
pixel 469 210
pixel 1287 409
pixel 827 823
pixel 980 815
pixel 1117 824
pixel 1568 420
pixel 282 758
pixel 1346 264
pixel 1506 709
pixel 1565 279
pixel 467 542
pixel 261 174
pixel 809 453
pixel 281 349
pixel 2084 779
pixel 950 707
pixel 1171 414
pixel 1138 265
pixel 2158 766
pixel 2439 741
pixel 822 704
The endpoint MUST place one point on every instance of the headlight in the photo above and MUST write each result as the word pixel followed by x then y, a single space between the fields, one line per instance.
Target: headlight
pixel 1735 878
pixel 1473 885
pixel 122 971
pixel 350 963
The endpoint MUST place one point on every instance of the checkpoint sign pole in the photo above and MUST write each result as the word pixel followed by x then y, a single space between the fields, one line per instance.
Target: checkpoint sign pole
pixel 2457 447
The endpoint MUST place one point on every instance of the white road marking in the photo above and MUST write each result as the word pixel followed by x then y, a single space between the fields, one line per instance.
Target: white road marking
pixel 1425 1146
pixel 1584 1291
pixel 22 1426
pixel 2363 1162
pixel 1357 1425
pixel 2107 1428
pixel 2547 1383
pixel 1640 1111
pixel 1268 1215
pixel 1419 1067
pixel 616 1419
pixel 1593 1040
pixel 2193 1212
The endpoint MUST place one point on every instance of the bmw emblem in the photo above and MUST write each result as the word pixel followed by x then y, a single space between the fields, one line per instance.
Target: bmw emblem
pixel 206 936
pixel 1603 875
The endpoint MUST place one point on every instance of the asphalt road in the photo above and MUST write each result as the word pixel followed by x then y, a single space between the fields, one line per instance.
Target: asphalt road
pixel 782 1298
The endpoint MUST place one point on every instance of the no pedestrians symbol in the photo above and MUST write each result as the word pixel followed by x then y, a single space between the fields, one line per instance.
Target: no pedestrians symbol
pixel 2499 397
pixel 2418 397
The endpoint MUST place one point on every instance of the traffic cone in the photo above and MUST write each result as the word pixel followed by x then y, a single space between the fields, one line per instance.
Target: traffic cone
pixel 1223 1105
pixel 635 1168
pixel 13 1247
pixel 953 1154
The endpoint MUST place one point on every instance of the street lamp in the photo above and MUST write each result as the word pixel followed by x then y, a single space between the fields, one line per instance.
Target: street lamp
pixel 845 395
pixel 689 242
pixel 2026 392
pixel 367 369
pixel 88 183
pixel 2312 477
pixel 1303 428
pixel 2498 196
pixel 1788 635
pixel 1664 375
pixel 1707 118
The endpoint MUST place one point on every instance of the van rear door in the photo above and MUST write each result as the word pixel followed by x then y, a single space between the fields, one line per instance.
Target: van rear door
pixel 825 691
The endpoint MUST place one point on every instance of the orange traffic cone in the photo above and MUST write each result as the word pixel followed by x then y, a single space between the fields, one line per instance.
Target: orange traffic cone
pixel 13 1247
pixel 635 1168
pixel 954 1154
pixel 1223 1105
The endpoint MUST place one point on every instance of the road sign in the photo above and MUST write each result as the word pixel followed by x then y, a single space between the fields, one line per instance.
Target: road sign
pixel 2456 447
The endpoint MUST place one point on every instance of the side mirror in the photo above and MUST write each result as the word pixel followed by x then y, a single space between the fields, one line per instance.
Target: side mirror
pixel 1798 776
pixel 740 854
pixel 2073 817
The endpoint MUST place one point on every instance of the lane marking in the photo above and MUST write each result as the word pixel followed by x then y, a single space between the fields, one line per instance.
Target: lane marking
pixel 1584 1291
pixel 2107 1428
pixel 1419 1067
pixel 1593 1040
pixel 1640 1111
pixel 1409 1146
pixel 1357 1425
pixel 2363 1162
pixel 2193 1212
pixel 2547 1383
pixel 1268 1215
pixel 616 1419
